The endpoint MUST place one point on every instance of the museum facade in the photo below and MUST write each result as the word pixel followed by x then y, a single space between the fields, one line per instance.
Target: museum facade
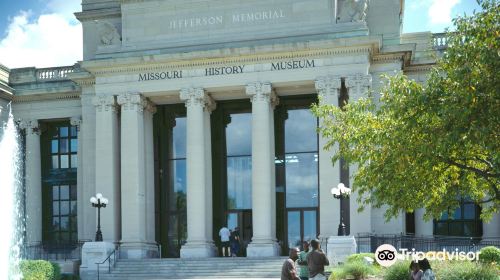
pixel 189 115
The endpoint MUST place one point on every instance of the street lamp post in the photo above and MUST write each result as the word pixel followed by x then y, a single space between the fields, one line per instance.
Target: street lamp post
pixel 98 201
pixel 340 192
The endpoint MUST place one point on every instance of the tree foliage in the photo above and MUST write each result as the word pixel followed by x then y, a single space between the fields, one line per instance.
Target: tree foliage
pixel 427 146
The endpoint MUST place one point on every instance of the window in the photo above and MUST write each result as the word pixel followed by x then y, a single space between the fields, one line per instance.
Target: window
pixel 59 144
pixel 464 221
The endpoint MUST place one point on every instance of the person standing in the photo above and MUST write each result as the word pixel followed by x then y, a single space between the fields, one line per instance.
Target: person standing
pixel 316 261
pixel 416 273
pixel 224 234
pixel 288 270
pixel 302 261
pixel 426 268
pixel 235 242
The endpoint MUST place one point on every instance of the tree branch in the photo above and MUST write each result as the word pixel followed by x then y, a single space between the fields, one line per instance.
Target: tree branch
pixel 480 172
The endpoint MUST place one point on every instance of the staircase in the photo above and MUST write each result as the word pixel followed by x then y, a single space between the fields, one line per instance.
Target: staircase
pixel 211 268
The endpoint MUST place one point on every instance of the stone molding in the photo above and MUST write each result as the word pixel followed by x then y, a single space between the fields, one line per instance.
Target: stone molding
pixel 328 86
pixel 197 97
pixel 32 127
pixel 76 121
pixel 132 102
pixel 358 84
pixel 45 97
pixel 104 103
pixel 261 92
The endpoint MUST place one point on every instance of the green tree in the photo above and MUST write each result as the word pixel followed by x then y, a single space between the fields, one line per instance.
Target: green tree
pixel 429 145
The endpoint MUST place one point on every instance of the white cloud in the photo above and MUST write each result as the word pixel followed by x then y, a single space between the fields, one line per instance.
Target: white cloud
pixel 51 39
pixel 440 11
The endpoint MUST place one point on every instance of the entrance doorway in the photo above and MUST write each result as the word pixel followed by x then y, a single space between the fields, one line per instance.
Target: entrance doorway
pixel 241 219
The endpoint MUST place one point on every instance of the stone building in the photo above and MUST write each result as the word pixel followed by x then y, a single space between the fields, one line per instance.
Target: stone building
pixel 192 114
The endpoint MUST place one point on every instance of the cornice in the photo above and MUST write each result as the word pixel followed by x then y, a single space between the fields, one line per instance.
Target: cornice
pixel 98 14
pixel 4 95
pixel 114 66
pixel 82 78
pixel 45 97
pixel 420 67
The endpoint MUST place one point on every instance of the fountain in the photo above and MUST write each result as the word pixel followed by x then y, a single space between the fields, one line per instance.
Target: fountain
pixel 10 202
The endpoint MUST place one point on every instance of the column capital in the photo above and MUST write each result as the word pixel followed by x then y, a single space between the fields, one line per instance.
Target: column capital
pixel 32 127
pixel 132 102
pixel 358 80
pixel 262 92
pixel 104 103
pixel 76 121
pixel 328 86
pixel 197 97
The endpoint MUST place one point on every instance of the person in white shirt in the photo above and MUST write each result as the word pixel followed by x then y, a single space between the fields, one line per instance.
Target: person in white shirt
pixel 224 234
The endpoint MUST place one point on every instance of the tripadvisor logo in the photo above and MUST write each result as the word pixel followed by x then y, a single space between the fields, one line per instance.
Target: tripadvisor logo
pixel 386 255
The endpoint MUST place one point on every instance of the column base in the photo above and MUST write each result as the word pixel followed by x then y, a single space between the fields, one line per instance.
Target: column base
pixel 339 248
pixel 193 250
pixel 261 249
pixel 138 250
pixel 94 252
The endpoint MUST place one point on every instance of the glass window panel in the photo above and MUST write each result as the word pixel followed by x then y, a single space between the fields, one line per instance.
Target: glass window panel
pixel 74 161
pixel 74 224
pixel 73 194
pixel 64 208
pixel 55 208
pixel 444 216
pixel 73 208
pixel 294 229
pixel 179 138
pixel 64 223
pixel 300 131
pixel 55 223
pixel 239 135
pixel 310 225
pixel 239 182
pixel 456 228
pixel 64 161
pixel 177 195
pixel 65 237
pixel 56 132
pixel 55 162
pixel 301 180
pixel 55 146
pixel 457 215
pixel 232 220
pixel 74 133
pixel 74 145
pixel 63 143
pixel 55 192
pixel 64 192
pixel 469 211
pixel 470 229
pixel 441 228
pixel 63 131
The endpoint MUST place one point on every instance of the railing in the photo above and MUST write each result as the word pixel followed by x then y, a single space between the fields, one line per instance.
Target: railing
pixel 54 251
pixel 108 259
pixel 439 41
pixel 54 73
pixel 369 242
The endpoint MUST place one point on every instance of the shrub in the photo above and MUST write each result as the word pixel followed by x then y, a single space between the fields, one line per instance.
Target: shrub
pixel 40 270
pixel 467 270
pixel 361 258
pixel 490 254
pixel 337 274
pixel 357 269
pixel 398 271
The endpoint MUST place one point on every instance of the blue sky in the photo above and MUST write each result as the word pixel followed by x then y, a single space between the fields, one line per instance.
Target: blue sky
pixel 45 33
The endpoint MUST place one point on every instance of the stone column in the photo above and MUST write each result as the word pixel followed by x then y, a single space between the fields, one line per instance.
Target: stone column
pixel 87 138
pixel 422 227
pixel 328 89
pixel 199 185
pixel 149 111
pixel 33 182
pixel 199 242
pixel 135 243
pixel 492 228
pixel 263 171
pixel 81 201
pixel 107 168
pixel 358 86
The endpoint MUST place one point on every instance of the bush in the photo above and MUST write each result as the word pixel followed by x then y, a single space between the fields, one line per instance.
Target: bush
pixel 398 271
pixel 490 254
pixel 40 270
pixel 361 258
pixel 467 270
pixel 337 274
pixel 358 269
